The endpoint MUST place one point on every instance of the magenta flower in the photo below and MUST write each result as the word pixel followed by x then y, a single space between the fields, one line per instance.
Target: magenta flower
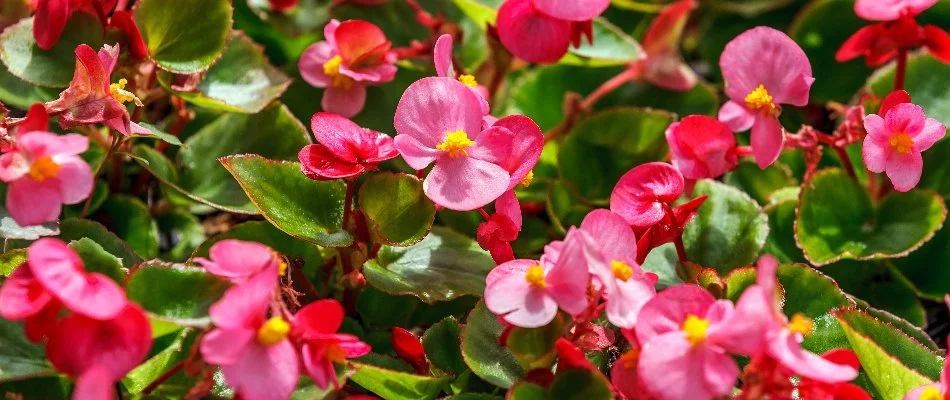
pixel 442 58
pixel 99 353
pixel 572 10
pixel 52 15
pixel 439 120
pixel 239 261
pixel 540 31
pixel 664 65
pixel 91 99
pixel 344 150
pixel 896 137
pixel 890 10
pixel 318 324
pixel 688 338
pixel 763 68
pixel 502 228
pixel 626 287
pixel 702 147
pixel 354 54
pixel 643 195
pixel 527 293
pixel 254 352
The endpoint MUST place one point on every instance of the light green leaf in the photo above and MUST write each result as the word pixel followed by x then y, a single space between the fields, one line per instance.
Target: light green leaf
pixel 53 68
pixel 175 293
pixel 396 385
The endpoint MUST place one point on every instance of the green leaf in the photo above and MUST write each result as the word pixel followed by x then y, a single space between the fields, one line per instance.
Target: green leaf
pixel 565 206
pixel 273 133
pixel 612 47
pixel 881 286
pixel 184 36
pixel 579 383
pixel 781 240
pixel 836 220
pixel 48 388
pixel 306 209
pixel 480 349
pixel 397 211
pixel 150 370
pixel 662 261
pixel 750 8
pixel 175 293
pixel 97 259
pixel 396 385
pixel 929 282
pixel 53 68
pixel 601 148
pixel 162 169
pixel 243 80
pixel 10 260
pixel 181 234
pixel 443 266
pixel 527 391
pixel 478 12
pixel 442 343
pixel 20 359
pixel 156 133
pixel 729 230
pixel 759 183
pixel 534 347
pixel 807 290
pixel 132 221
pixel 76 229
pixel 22 94
pixel 894 363
pixel 9 229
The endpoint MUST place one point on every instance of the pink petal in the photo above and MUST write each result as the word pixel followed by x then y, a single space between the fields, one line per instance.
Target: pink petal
pixel 786 349
pixel 907 118
pixel 904 170
pixel 79 344
pixel 384 149
pixel 21 295
pixel 416 154
pixel 376 74
pixel 889 10
pixel 311 64
pixel 43 144
pixel 317 366
pixel 612 234
pixel 671 366
pixel 33 203
pixel 108 55
pixel 95 384
pixel 492 145
pixel 225 346
pixel 526 146
pixel 319 163
pixel 49 22
pixel 572 10
pixel 640 193
pixel 465 183
pixel 917 393
pixel 875 152
pixel 876 127
pixel 319 318
pixel 13 165
pixel 59 269
pixel 569 278
pixel 238 260
pixel 767 140
pixel 740 329
pixel 442 56
pixel 432 107
pixel 531 35
pixel 736 116
pixel 625 299
pixel 75 179
pixel 670 73
pixel 765 56
pixel 352 346
pixel 244 306
pixel 269 372
pixel 344 138
pixel 509 295
pixel 507 205
pixel 329 33
pixel 346 102
pixel 666 311
pixel 702 147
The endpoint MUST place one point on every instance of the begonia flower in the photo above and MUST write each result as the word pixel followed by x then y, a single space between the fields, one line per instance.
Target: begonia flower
pixel 91 99
pixel 501 228
pixel 318 324
pixel 239 261
pixel 664 65
pixel 763 68
pixel 344 149
pixel 409 348
pixel 897 31
pixel 626 286
pixel 352 55
pixel 442 58
pixel 896 137
pixel 702 147
pixel 51 17
pixel 816 390
pixel 890 10
pixel 43 170
pixel 643 194
pixel 438 120
pixel 527 293
pixel 124 21
pixel 528 32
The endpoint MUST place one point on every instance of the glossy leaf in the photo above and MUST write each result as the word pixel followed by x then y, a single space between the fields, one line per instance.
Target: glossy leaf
pixel 77 229
pixel 97 259
pixel 612 47
pixel 881 286
pixel 390 384
pixel 20 359
pixel 53 68
pixel 729 229
pixel 130 219
pixel 175 292
pixel 442 343
pixel 482 353
pixel 183 36
pixel 397 211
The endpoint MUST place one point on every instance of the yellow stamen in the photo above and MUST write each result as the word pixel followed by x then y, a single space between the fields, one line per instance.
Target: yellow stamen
pixel 621 270
pixel 801 324
pixel 695 329
pixel 273 331
pixel 281 264
pixel 930 393
pixel 44 168
pixel 332 69
pixel 901 143
pixel 528 179
pixel 455 143
pixel 760 99
pixel 535 277
pixel 468 80
pixel 121 95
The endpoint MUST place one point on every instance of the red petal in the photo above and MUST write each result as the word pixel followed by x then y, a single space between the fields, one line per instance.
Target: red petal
pixel 843 357
pixel 321 317
pixel 37 119
pixel 409 348
pixel 49 22
pixel 123 21
pixel 938 42
pixel 860 43
pixel 361 43
pixel 569 356
pixel 665 31
pixel 282 5
pixel 318 163
pixel 531 35
pixel 893 99
pixel 850 391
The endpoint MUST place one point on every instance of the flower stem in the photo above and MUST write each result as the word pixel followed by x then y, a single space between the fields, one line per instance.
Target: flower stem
pixel 680 249
pixel 164 377
pixel 846 162
pixel 483 213
pixel 116 140
pixel 628 74
pixel 901 69
pixel 348 203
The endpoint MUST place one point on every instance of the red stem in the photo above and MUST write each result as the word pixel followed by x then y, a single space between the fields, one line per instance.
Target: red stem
pixel 483 213
pixel 901 69
pixel 680 249
pixel 347 203
pixel 164 377
pixel 608 87
pixel 846 161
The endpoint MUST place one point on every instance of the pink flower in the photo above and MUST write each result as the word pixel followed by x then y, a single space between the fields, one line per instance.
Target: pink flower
pixel 502 228
pixel 890 10
pixel 52 15
pixel 763 68
pixel 90 99
pixel 782 337
pixel 439 120
pixel 239 261
pixel 688 337
pixel 442 58
pixel 318 323
pixel 896 137
pixel 44 171
pixel 345 149
pixel 812 389
pixel 664 66
pixel 643 195
pixel 527 293
pixel 255 354
pixel 702 147
pixel 626 287
pixel 99 353
pixel 528 32
pixel 354 54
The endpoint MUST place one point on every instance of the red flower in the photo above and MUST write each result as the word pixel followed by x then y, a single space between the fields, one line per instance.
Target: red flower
pixel 52 15
pixel 344 150
pixel 810 389
pixel 898 31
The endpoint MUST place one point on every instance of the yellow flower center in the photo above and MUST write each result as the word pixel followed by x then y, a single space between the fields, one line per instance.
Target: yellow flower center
pixel 332 69
pixel 118 92
pixel 273 331
pixel 44 168
pixel 535 277
pixel 468 80
pixel 801 324
pixel 760 99
pixel 281 264
pixel 901 143
pixel 621 270
pixel 695 329
pixel 930 393
pixel 527 179
pixel 455 143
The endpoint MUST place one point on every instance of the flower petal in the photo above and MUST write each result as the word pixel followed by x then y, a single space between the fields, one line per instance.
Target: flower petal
pixel 75 179
pixel 768 57
pixel 465 183
pixel 932 132
pixel 671 367
pixel 346 102
pixel 666 311
pixel 269 372
pixel 224 346
pixel 509 295
pixel 767 140
pixel 907 118
pixel 319 318
pixel 785 347
pixel 442 56
pixel 572 10
pixel 889 10
pixel 319 163
pixel 416 154
pixel 432 107
pixel 531 35
pixel 21 295
pixel 904 170
pixel 32 203
pixel 736 116
pixel 311 64
pixel 526 146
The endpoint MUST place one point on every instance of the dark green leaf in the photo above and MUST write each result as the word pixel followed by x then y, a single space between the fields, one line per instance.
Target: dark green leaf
pixel 579 384
pixel 442 343
pixel 396 385
pixel 184 36
pixel 20 359
pixel 76 229
pixel 97 259
pixel 150 370
pixel 175 292
pixel 481 351
pixel 53 68
pixel 132 221
pixel 729 230
pixel 397 211
pixel 181 234
pixel 880 285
